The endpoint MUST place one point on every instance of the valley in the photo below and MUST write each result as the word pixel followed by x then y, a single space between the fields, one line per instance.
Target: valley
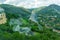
pixel 30 24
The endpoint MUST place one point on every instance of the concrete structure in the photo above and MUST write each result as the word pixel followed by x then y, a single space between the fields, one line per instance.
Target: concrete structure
pixel 2 16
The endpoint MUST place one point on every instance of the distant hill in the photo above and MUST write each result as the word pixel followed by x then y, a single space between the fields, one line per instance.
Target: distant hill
pixel 18 11
pixel 49 16
pixel 36 9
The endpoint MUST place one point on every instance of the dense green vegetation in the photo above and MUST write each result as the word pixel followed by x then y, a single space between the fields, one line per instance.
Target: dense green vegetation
pixel 22 14
pixel 10 9
pixel 49 16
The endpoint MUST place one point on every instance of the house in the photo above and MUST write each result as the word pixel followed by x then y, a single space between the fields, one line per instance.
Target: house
pixel 2 16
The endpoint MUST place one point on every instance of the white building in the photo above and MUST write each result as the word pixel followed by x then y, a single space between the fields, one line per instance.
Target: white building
pixel 2 16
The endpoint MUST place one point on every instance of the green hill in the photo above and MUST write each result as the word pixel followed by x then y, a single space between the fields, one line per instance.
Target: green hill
pixel 49 16
pixel 30 24
pixel 18 11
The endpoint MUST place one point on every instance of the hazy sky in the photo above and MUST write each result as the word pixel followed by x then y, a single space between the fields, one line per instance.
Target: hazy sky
pixel 30 3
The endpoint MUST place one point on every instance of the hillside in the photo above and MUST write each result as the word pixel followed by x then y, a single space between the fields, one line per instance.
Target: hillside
pixel 30 24
pixel 49 16
pixel 18 11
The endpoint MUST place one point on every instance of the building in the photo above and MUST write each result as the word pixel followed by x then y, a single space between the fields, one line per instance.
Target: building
pixel 3 18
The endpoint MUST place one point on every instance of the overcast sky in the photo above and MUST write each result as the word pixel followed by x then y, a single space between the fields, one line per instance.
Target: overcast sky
pixel 30 3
